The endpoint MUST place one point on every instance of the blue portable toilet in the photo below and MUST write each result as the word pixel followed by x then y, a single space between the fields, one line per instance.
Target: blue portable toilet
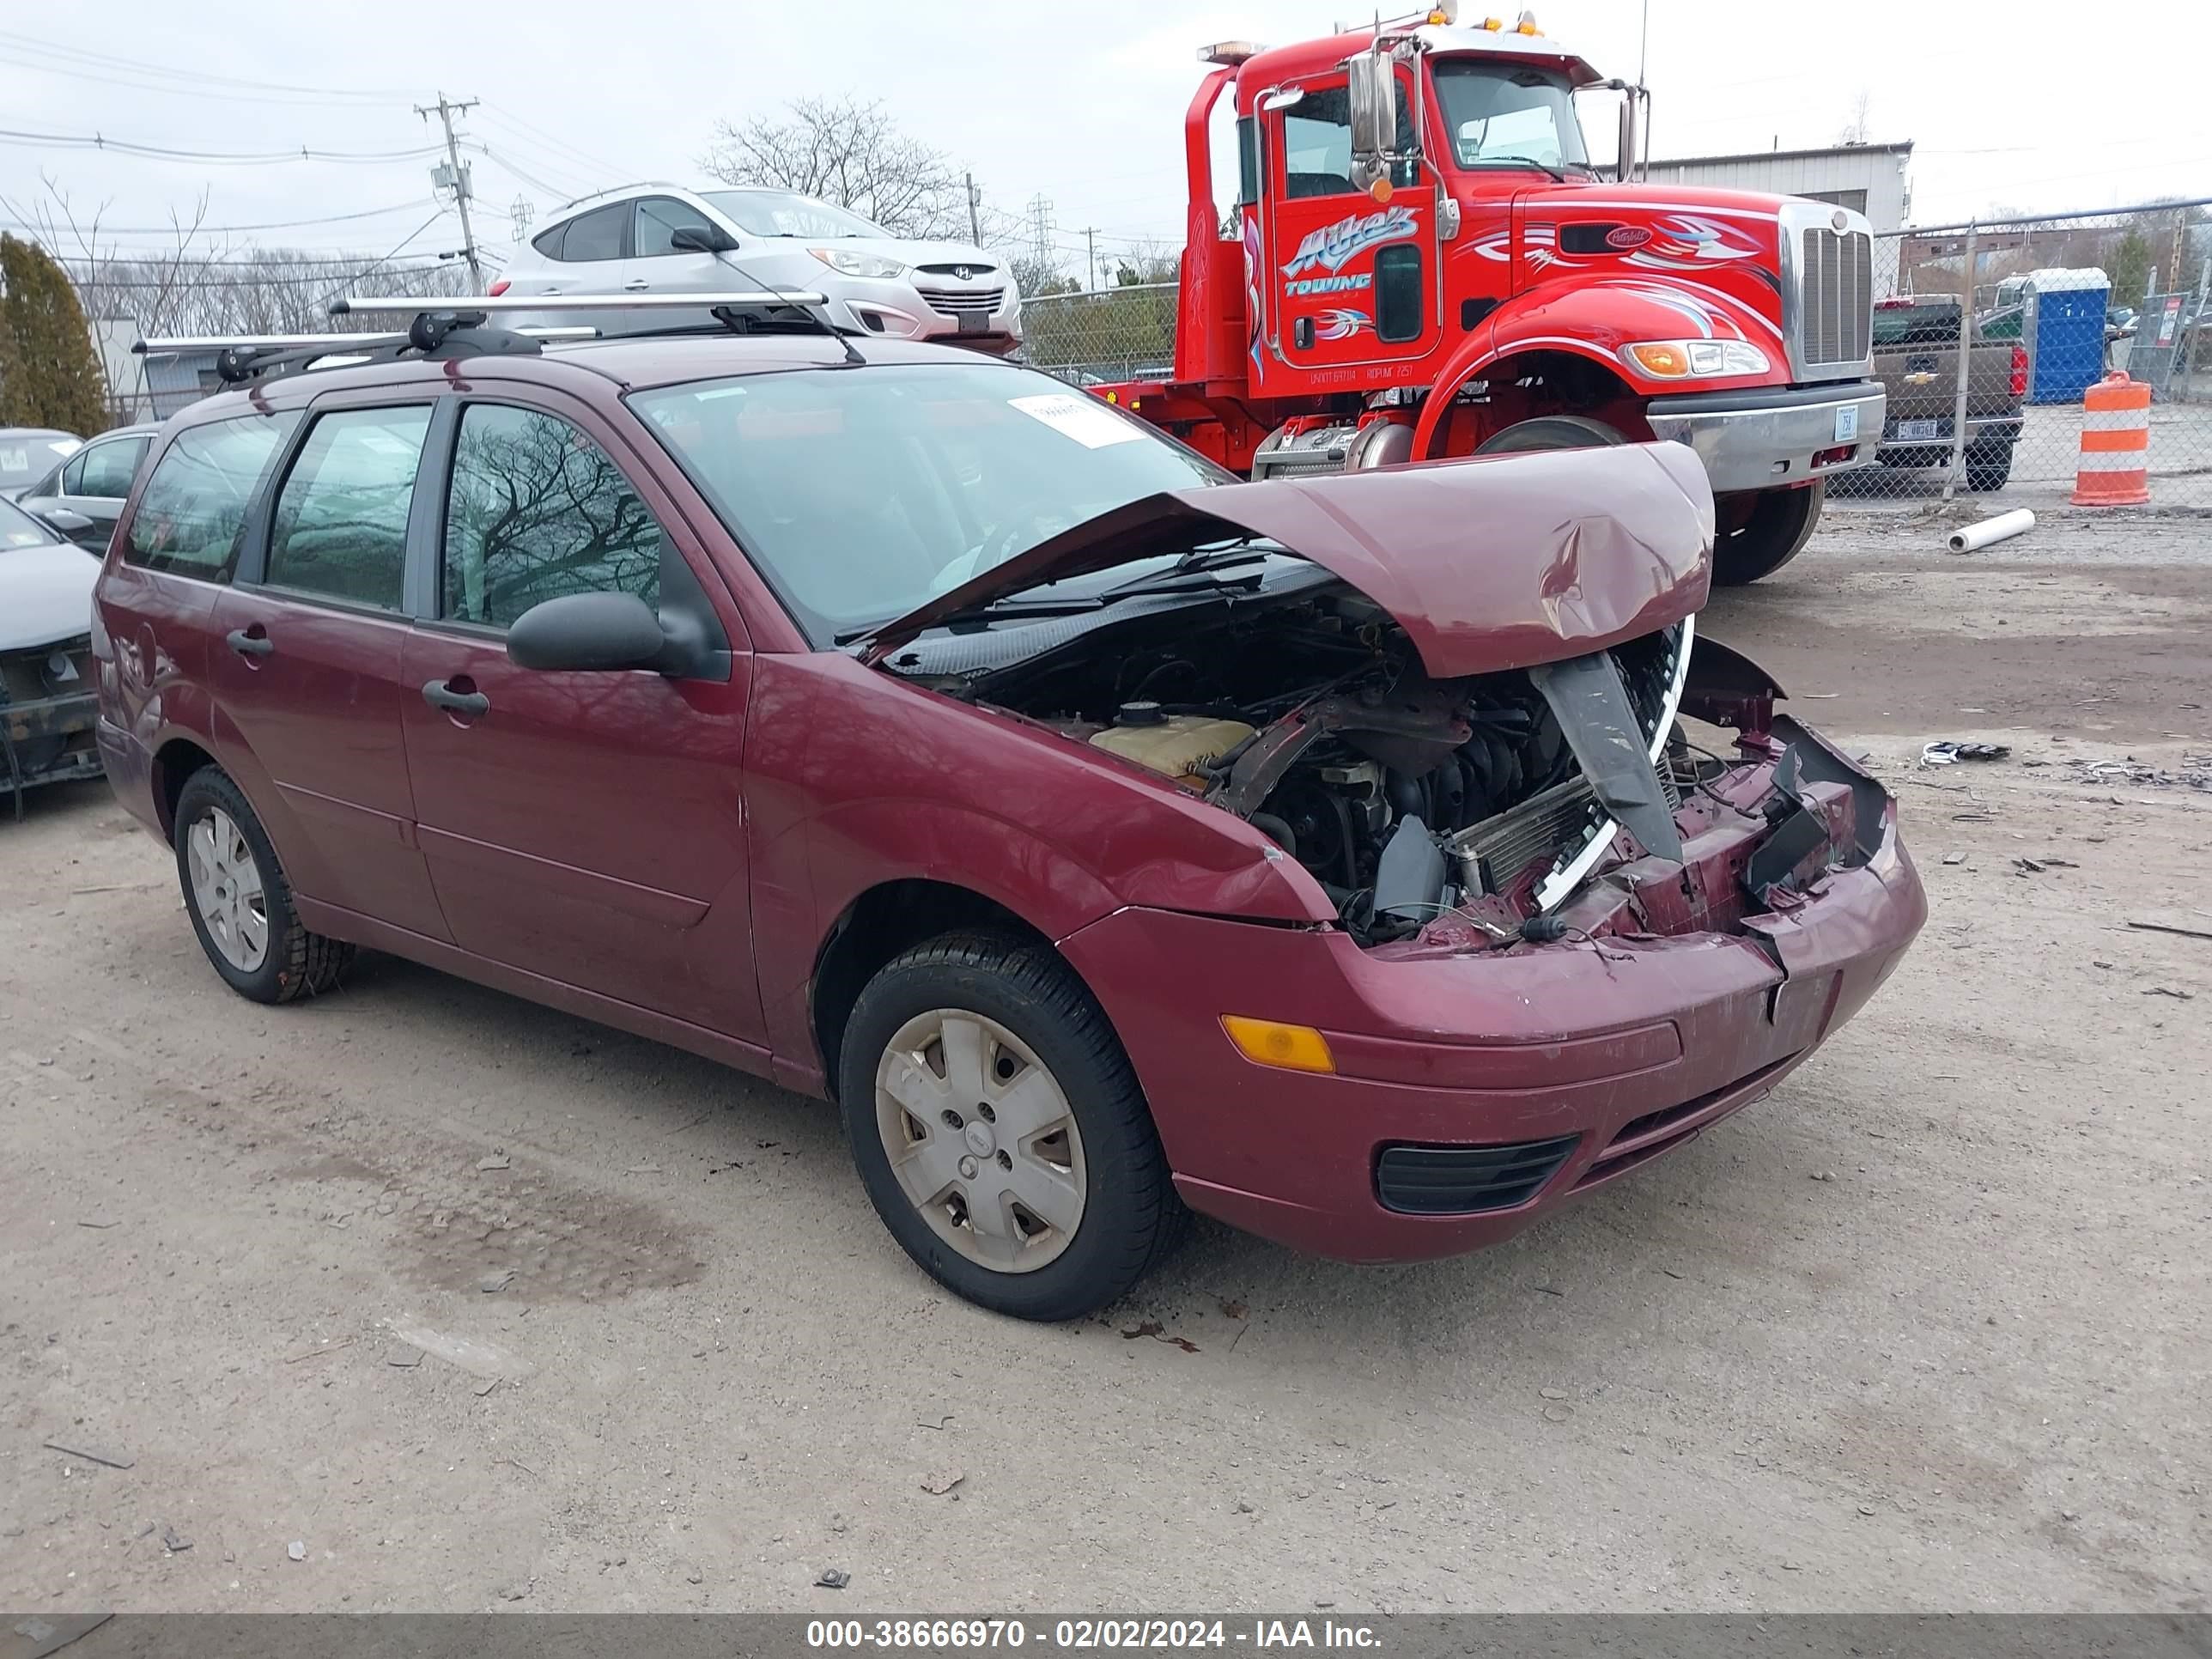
pixel 2065 333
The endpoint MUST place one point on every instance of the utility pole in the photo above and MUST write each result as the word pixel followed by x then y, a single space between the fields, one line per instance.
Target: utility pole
pixel 459 178
pixel 974 212
pixel 1090 242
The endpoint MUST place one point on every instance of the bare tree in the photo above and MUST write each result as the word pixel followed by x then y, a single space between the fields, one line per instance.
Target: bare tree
pixel 1859 129
pixel 851 153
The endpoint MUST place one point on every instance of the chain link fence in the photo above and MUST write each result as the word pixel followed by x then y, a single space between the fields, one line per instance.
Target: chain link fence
pixel 2050 306
pixel 1997 329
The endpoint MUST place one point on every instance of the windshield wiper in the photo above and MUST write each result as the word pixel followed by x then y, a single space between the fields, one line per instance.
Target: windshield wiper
pixel 1522 160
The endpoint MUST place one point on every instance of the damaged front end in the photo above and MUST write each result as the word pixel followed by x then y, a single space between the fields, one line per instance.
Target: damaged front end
pixel 1471 738
pixel 47 716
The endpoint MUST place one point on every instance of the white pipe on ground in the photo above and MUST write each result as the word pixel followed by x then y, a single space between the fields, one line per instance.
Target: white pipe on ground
pixel 1975 537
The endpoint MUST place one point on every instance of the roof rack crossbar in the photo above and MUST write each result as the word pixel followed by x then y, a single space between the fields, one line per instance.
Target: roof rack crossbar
pixel 755 300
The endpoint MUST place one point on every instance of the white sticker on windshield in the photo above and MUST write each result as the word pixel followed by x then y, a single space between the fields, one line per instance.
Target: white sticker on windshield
pixel 1080 417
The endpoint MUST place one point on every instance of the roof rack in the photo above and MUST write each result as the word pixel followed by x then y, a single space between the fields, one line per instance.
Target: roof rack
pixel 746 310
pixel 242 357
pixel 616 190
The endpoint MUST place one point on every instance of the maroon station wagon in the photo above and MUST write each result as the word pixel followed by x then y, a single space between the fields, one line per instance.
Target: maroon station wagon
pixel 1105 835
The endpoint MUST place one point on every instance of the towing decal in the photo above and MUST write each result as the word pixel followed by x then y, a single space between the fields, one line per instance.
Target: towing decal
pixel 1333 246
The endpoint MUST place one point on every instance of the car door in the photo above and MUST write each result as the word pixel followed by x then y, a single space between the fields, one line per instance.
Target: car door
pixel 588 828
pixel 589 259
pixel 656 264
pixel 93 484
pixel 306 660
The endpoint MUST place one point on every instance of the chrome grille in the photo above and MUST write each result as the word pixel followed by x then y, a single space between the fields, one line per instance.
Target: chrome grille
pixel 1835 286
pixel 962 302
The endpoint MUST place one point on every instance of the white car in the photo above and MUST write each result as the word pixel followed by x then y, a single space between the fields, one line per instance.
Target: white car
pixel 663 239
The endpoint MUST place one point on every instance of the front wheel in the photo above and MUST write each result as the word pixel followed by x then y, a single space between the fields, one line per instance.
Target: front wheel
pixel 1761 533
pixel 1000 1130
pixel 1550 432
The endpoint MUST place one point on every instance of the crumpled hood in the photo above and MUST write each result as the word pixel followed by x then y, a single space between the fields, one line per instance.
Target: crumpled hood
pixel 1497 562
pixel 46 595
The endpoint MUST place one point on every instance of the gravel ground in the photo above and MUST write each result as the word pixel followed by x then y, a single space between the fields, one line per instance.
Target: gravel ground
pixel 1924 1331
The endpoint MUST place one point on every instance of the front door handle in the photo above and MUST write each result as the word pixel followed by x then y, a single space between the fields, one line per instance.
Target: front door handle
pixel 440 693
pixel 248 643
pixel 637 287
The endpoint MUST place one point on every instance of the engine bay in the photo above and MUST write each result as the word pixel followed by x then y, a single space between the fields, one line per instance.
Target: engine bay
pixel 1311 716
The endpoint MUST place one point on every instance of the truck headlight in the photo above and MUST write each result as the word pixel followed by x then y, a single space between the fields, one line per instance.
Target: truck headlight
pixel 857 265
pixel 1691 360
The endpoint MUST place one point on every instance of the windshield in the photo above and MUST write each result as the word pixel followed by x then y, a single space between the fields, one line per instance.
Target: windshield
pixel 1500 114
pixel 25 455
pixel 19 529
pixel 786 213
pixel 861 493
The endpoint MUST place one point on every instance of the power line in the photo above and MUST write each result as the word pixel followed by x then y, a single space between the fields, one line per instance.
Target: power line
pixel 500 114
pixel 227 158
pixel 111 70
pixel 232 230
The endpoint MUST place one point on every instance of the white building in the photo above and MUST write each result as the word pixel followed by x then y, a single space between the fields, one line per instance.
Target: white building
pixel 1868 178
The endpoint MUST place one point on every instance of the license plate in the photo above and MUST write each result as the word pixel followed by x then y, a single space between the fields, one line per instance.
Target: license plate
pixel 974 322
pixel 1847 423
pixel 1913 431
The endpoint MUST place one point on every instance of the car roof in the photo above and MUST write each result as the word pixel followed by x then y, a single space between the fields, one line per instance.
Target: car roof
pixel 627 364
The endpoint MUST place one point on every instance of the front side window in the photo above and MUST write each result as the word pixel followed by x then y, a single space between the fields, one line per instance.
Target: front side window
pixel 109 468
pixel 658 218
pixel 1317 143
pixel 861 493
pixel 1501 116
pixel 341 524
pixel 538 511
pixel 73 474
pixel 193 508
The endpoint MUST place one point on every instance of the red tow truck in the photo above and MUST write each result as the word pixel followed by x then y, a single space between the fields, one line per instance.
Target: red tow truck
pixel 1423 263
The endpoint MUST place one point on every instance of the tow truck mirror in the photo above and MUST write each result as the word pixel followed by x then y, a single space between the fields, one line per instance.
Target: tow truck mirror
pixel 1372 84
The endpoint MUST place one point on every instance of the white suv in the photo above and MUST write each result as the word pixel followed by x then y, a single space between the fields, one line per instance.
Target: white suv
pixel 663 239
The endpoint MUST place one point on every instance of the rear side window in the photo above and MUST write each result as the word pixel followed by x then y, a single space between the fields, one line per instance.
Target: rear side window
pixel 598 235
pixel 341 524
pixel 537 510
pixel 193 509
pixel 548 242
pixel 109 468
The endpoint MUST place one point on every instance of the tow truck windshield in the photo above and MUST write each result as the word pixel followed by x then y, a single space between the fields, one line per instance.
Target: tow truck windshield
pixel 1504 115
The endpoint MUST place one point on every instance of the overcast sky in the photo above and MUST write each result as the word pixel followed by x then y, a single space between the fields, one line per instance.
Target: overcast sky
pixel 2020 103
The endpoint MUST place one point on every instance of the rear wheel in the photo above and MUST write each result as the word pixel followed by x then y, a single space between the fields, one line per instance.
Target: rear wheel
pixel 1761 533
pixel 1550 432
pixel 1989 463
pixel 1000 1130
pixel 240 902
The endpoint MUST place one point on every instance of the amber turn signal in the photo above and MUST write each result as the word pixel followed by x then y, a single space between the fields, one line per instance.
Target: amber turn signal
pixel 1270 1042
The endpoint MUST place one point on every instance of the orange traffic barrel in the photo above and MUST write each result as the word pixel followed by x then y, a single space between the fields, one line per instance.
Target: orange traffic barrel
pixel 2115 469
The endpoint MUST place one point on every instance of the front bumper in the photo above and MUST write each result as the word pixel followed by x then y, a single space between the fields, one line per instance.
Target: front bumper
pixel 953 315
pixel 45 735
pixel 1623 1052
pixel 1774 438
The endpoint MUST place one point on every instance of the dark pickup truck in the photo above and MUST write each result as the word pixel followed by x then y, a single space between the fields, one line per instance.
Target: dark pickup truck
pixel 1915 357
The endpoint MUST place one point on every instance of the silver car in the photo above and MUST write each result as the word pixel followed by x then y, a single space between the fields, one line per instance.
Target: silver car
pixel 663 239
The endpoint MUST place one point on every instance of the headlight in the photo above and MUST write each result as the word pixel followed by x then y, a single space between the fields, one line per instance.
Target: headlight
pixel 857 265
pixel 1688 360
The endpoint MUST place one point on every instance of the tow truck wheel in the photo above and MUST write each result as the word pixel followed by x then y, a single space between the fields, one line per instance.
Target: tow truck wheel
pixel 1761 533
pixel 1550 432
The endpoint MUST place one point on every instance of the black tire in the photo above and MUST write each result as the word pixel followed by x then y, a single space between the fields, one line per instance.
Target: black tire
pixel 1773 532
pixel 1131 1215
pixel 1989 465
pixel 1550 432
pixel 296 963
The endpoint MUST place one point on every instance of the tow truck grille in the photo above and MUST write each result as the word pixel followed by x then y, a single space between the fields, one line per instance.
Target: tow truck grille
pixel 1835 284
pixel 962 302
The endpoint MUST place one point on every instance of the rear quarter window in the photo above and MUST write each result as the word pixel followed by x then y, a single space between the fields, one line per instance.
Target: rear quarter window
pixel 191 514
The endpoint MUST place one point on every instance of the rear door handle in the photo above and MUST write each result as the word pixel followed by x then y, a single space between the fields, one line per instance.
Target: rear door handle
pixel 249 644
pixel 440 693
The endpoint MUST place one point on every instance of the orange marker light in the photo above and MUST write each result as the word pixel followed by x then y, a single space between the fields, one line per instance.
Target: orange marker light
pixel 1380 190
pixel 1270 1042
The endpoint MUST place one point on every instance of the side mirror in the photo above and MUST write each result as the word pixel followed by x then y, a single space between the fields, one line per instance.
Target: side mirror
pixel 701 239
pixel 582 633
pixel 1372 86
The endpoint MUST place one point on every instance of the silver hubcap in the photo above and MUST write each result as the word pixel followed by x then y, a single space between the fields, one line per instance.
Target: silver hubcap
pixel 981 1138
pixel 227 890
